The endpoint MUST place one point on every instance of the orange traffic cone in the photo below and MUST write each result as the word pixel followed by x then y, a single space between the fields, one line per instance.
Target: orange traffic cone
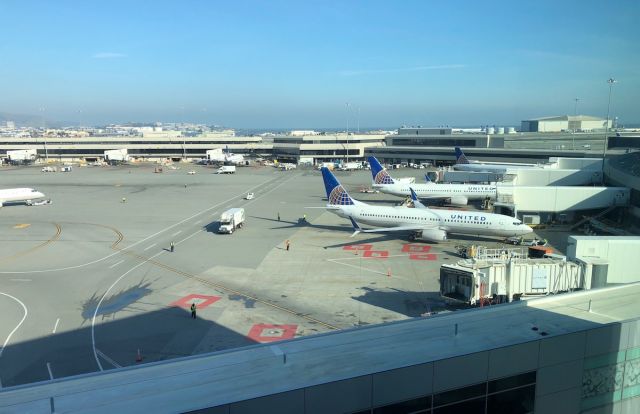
pixel 139 356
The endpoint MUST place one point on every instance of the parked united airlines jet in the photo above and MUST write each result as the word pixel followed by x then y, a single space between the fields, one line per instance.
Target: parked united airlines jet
pixel 424 223
pixel 19 194
pixel 460 194
pixel 463 164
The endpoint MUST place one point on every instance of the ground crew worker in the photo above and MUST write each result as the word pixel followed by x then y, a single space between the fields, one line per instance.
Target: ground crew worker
pixel 287 244
pixel 304 218
pixel 193 310
pixel 124 199
pixel 172 247
pixel 278 216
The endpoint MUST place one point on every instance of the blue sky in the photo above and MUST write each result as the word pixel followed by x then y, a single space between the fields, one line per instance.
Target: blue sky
pixel 298 63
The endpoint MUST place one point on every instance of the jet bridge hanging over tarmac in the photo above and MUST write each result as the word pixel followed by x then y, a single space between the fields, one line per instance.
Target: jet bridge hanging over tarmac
pixel 521 200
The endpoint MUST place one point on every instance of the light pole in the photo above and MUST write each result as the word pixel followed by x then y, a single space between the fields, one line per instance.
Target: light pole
pixel 575 113
pixel 610 81
pixel 184 139
pixel 44 135
pixel 347 155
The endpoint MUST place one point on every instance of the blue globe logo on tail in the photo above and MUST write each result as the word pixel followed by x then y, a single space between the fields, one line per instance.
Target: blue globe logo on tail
pixel 380 176
pixel 340 197
pixel 336 194
pixel 383 177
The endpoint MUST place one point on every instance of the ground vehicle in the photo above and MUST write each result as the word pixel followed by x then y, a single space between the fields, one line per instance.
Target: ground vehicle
pixel 67 168
pixel 191 172
pixel 49 169
pixel 227 169
pixel 38 202
pixel 349 166
pixel 519 241
pixel 249 196
pixel 230 220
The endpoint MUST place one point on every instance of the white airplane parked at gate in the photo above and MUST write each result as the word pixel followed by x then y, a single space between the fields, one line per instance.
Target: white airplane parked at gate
pixel 464 164
pixel 224 155
pixel 19 194
pixel 460 194
pixel 423 223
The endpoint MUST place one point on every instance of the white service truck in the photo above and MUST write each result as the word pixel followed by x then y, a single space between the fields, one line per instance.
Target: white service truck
pixel 230 220
pixel 227 169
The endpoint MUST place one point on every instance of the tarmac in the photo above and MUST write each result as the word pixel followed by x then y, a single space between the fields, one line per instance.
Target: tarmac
pixel 89 283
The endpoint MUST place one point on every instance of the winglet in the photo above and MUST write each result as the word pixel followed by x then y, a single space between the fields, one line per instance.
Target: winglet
pixel 426 176
pixel 356 227
pixel 460 157
pixel 379 174
pixel 414 196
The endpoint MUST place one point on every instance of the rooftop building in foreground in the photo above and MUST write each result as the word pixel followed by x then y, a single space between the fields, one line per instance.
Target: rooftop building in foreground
pixel 570 353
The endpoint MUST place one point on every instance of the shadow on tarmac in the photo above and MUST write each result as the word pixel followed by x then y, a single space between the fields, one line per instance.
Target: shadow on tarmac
pixel 162 334
pixel 412 304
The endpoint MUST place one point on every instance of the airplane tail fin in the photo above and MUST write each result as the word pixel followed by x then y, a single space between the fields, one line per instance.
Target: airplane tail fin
pixel 380 175
pixel 460 157
pixel 426 177
pixel 336 194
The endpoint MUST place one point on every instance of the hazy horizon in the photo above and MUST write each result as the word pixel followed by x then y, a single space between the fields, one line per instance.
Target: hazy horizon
pixel 280 64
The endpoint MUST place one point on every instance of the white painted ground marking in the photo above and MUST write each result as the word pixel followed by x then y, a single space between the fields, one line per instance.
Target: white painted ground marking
pixel 109 360
pixel 20 280
pixel 49 369
pixel 188 237
pixel 95 312
pixel 56 327
pixel 148 247
pixel 176 233
pixel 116 264
pixel 206 210
pixel 337 261
pixel 18 325
pixel 198 222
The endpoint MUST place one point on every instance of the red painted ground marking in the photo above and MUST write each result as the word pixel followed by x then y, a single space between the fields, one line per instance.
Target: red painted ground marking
pixel 358 247
pixel 266 332
pixel 201 301
pixel 423 256
pixel 415 248
pixel 378 254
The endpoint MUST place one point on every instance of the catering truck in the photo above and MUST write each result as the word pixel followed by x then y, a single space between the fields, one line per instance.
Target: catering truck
pixel 230 220
pixel 227 169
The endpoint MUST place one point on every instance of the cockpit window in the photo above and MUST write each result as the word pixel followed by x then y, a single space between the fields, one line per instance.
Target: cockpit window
pixel 516 223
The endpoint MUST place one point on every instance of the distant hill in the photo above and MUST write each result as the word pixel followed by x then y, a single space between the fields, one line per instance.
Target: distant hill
pixel 26 120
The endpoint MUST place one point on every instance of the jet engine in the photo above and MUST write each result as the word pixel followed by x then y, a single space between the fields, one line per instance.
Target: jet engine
pixel 459 200
pixel 434 235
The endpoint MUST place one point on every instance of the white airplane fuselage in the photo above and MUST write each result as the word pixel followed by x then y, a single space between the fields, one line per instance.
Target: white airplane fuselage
pixel 493 168
pixel 451 221
pixel 19 194
pixel 424 191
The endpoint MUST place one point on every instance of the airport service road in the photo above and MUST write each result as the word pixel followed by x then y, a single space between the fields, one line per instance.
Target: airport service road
pixel 88 283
